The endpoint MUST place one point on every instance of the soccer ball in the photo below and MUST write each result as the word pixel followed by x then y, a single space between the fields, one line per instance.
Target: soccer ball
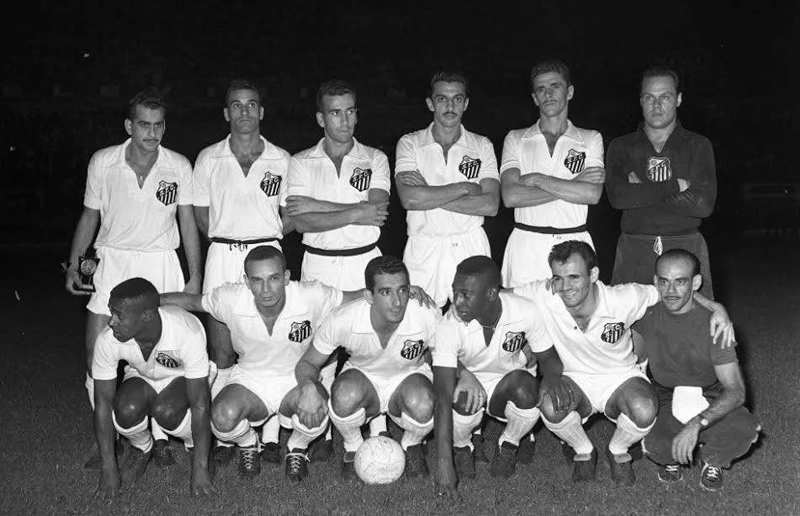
pixel 380 460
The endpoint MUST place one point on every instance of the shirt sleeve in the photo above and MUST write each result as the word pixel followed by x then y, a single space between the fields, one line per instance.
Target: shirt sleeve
pixel 698 200
pixel 594 151
pixel 104 359
pixel 510 158
pixel 219 302
pixel 381 177
pixel 406 156
pixel 532 290
pixel 202 181
pixel 641 297
pixel 195 357
pixel 326 299
pixel 626 196
pixel 186 184
pixel 94 183
pixel 283 191
pixel 446 343
pixel 298 180
pixel 489 165
pixel 327 338
pixel 538 338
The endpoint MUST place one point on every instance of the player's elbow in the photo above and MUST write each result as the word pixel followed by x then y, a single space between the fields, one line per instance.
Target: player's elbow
pixel 510 198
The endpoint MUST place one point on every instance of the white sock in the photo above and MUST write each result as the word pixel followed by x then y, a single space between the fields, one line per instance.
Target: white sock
pixel 242 434
pixel 302 435
pixel 377 425
pixel 415 431
pixel 463 427
pixel 626 435
pixel 158 432
pixel 184 430
pixel 519 422
pixel 138 435
pixel 571 431
pixel 349 427
pixel 89 384
pixel 272 430
pixel 220 381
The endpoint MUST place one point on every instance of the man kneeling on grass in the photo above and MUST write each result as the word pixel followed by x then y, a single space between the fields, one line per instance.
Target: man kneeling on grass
pixel 166 378
pixel 699 384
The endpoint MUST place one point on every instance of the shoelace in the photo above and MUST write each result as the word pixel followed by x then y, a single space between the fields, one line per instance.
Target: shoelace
pixel 672 468
pixel 248 458
pixel 295 461
pixel 713 473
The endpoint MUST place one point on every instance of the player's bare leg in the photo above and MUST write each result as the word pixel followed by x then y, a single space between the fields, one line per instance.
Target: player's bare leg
pixel 411 407
pixel 567 425
pixel 221 348
pixel 634 405
pixel 514 399
pixel 231 413
pixel 302 436
pixel 132 406
pixel 353 400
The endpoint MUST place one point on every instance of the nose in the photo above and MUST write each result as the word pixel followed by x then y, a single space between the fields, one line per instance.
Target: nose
pixel 112 322
pixel 671 288
pixel 395 300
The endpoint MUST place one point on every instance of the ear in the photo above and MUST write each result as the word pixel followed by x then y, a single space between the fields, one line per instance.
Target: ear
pixel 368 296
pixel 570 92
pixel 680 99
pixel 535 100
pixel 227 114
pixel 129 126
pixel 655 280
pixel 466 103
pixel 261 113
pixel 594 274
pixel 697 282
pixel 320 120
pixel 287 276
pixel 429 102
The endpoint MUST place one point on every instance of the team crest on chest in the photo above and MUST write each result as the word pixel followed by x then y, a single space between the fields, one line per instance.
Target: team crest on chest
pixel 659 169
pixel 361 178
pixel 470 167
pixel 575 161
pixel 167 192
pixel 166 360
pixel 514 341
pixel 412 349
pixel 270 184
pixel 612 332
pixel 300 331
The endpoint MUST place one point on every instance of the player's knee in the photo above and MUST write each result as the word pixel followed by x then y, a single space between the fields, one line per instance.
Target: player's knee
pixel 549 411
pixel 128 413
pixel 418 403
pixel 346 398
pixel 225 416
pixel 523 389
pixel 642 410
pixel 168 415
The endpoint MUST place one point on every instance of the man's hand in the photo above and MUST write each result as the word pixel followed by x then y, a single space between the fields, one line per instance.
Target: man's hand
pixel 422 297
pixel 634 179
pixel 445 481
pixel 684 443
pixel 109 484
pixel 200 483
pixel 472 389
pixel 311 407
pixel 684 184
pixel 411 178
pixel 193 286
pixel 372 214
pixel 559 391
pixel 73 280
pixel 471 188
pixel 721 328
pixel 594 175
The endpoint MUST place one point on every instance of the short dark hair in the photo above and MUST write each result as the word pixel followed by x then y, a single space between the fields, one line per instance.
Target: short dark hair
pixel 561 252
pixel 677 254
pixel 385 264
pixel 149 98
pixel 449 76
pixel 481 266
pixel 334 88
pixel 139 290
pixel 551 65
pixel 662 70
pixel 240 83
pixel 264 252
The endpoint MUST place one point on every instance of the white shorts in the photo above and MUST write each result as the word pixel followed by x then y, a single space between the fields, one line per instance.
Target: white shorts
pixel 385 387
pixel 339 272
pixel 432 261
pixel 225 263
pixel 160 385
pixel 526 254
pixel 599 388
pixel 490 381
pixel 161 268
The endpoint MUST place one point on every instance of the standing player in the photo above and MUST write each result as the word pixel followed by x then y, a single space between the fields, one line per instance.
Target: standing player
pixel 447 180
pixel 240 187
pixel 138 193
pixel 166 379
pixel 700 387
pixel 589 325
pixel 550 173
pixel 387 371
pixel 663 178
pixel 481 337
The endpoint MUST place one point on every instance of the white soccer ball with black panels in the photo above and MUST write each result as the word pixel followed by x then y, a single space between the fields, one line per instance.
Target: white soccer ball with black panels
pixel 380 460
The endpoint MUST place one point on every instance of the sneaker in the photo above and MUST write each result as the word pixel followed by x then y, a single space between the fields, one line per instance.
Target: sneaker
pixel 349 467
pixel 162 454
pixel 621 468
pixel 464 460
pixel 95 463
pixel 271 453
pixel 249 463
pixel 416 465
pixel 223 455
pixel 526 448
pixel 321 451
pixel 505 461
pixel 670 473
pixel 636 451
pixel 480 448
pixel 135 465
pixel 296 465
pixel 711 477
pixel 568 452
pixel 584 467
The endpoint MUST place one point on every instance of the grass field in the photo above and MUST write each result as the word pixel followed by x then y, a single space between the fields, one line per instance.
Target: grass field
pixel 46 427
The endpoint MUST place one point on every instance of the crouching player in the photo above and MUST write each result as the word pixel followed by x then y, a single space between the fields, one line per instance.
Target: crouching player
pixel 387 371
pixel 699 385
pixel 479 346
pixel 166 379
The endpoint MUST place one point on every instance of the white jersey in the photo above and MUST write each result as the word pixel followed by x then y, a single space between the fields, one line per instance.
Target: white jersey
pixel 313 174
pixel 181 350
pixel 606 346
pixel 239 207
pixel 307 304
pixel 471 158
pixel 133 218
pixel 350 327
pixel 520 323
pixel 576 150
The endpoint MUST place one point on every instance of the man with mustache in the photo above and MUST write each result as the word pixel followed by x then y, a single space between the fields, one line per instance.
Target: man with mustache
pixel 663 178
pixel 139 193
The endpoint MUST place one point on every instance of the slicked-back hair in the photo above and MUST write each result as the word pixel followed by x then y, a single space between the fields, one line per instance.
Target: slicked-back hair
pixel 139 290
pixel 551 65
pixel 265 252
pixel 662 70
pixel 560 253
pixel 385 264
pixel 240 83
pixel 149 98
pixel 449 76
pixel 481 266
pixel 678 254
pixel 334 88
